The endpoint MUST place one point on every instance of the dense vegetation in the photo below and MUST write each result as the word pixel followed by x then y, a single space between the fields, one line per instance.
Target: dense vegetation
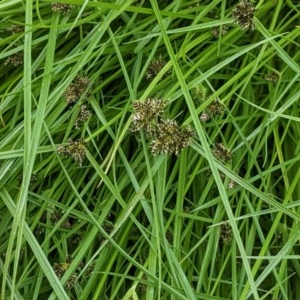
pixel 149 149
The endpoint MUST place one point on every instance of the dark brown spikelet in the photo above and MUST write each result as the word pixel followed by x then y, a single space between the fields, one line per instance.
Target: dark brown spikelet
pixel 166 135
pixel 155 67
pixel 78 88
pixel 215 109
pixel 84 114
pixel 63 9
pixel 13 29
pixel 186 134
pixel 60 269
pixel 222 153
pixel 170 138
pixel 15 59
pixel 273 77
pixel 33 179
pixel 244 14
pixel 217 31
pixel 55 216
pixel 146 115
pixel 71 281
pixel 226 234
pixel 107 227
pixel 75 149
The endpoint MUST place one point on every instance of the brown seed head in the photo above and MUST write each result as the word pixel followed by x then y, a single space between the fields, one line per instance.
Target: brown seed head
pixel 222 153
pixel 216 31
pixel 155 67
pixel 63 9
pixel 146 114
pixel 14 59
pixel 170 138
pixel 244 14
pixel 83 115
pixel 78 88
pixel 75 149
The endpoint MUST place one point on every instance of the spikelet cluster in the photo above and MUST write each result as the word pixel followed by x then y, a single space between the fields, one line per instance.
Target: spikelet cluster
pixel 170 138
pixel 84 114
pixel 63 9
pixel 243 14
pixel 219 30
pixel 215 109
pixel 74 149
pixel 155 67
pixel 147 115
pixel 61 268
pixel 222 153
pixel 273 77
pixel 15 28
pixel 226 234
pixel 15 59
pixel 80 87
pixel 166 135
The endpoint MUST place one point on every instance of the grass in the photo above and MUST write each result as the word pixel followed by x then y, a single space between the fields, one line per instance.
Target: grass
pixel 105 194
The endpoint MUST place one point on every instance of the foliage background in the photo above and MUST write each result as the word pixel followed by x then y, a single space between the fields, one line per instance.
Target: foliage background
pixel 126 224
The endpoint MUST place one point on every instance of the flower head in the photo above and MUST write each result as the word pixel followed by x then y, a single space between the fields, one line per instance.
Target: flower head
pixel 146 114
pixel 215 109
pixel 78 88
pixel 165 134
pixel 170 138
pixel 63 9
pixel 226 234
pixel 155 67
pixel 13 29
pixel 15 59
pixel 75 149
pixel 71 281
pixel 216 31
pixel 273 77
pixel 244 14
pixel 83 115
pixel 222 153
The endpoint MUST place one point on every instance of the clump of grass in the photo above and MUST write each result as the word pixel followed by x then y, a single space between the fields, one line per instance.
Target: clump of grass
pixel 125 218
